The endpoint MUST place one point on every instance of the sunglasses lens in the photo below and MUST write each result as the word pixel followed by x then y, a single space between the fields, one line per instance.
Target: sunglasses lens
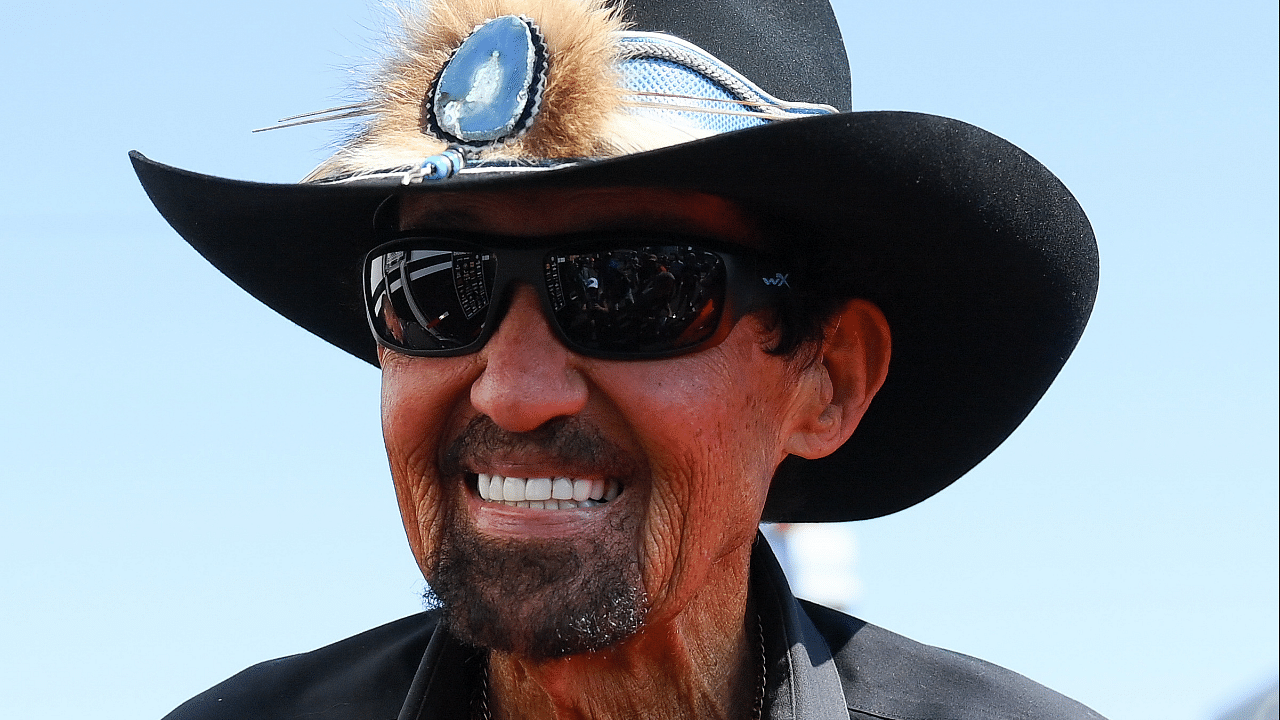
pixel 429 300
pixel 653 299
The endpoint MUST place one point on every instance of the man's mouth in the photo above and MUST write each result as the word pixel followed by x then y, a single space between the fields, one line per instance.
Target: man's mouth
pixel 546 493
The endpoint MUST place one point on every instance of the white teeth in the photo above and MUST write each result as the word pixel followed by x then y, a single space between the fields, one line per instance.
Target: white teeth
pixel 545 493
pixel 537 489
pixel 562 489
pixel 513 489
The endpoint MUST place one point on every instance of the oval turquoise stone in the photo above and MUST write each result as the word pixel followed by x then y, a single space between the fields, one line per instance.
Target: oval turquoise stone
pixel 485 87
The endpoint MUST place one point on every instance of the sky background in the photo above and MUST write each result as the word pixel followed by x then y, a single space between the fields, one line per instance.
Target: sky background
pixel 191 484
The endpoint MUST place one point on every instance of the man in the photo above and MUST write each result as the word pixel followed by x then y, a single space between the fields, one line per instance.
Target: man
pixel 632 289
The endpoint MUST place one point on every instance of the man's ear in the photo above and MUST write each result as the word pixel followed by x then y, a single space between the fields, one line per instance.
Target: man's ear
pixel 848 373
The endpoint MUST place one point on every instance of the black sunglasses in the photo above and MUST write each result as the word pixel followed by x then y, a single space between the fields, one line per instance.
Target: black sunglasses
pixel 616 297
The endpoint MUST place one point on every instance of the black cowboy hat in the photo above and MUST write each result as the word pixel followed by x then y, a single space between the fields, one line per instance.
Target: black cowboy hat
pixel 982 261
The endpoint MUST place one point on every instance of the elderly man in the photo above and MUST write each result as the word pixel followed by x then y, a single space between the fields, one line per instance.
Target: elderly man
pixel 635 282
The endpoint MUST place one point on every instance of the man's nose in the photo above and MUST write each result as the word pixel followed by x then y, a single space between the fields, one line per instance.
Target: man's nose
pixel 528 376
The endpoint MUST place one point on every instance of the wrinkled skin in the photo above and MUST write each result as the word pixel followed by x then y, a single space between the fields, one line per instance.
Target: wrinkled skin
pixel 694 441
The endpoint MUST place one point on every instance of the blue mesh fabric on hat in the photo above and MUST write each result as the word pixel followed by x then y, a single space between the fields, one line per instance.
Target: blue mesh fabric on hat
pixel 703 92
pixel 663 76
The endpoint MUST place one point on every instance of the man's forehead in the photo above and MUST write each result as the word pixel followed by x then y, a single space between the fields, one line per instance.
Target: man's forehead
pixel 533 213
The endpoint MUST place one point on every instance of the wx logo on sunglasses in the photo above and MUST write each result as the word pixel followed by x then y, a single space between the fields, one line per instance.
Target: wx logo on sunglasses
pixel 778 280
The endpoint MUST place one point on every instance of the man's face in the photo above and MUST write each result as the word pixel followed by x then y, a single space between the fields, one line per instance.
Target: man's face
pixel 688 445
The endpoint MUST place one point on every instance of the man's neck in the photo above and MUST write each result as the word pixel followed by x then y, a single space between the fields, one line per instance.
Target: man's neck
pixel 702 663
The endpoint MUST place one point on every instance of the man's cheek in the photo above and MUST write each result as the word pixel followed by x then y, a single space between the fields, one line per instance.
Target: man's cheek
pixel 429 516
pixel 681 487
pixel 420 495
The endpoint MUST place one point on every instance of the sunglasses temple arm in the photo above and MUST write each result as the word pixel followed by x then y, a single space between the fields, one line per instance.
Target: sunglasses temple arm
pixel 760 283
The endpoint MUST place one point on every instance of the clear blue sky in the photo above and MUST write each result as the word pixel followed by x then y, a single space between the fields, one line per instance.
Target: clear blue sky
pixel 190 484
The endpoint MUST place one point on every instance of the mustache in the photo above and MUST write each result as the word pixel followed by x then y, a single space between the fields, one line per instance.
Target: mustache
pixel 567 441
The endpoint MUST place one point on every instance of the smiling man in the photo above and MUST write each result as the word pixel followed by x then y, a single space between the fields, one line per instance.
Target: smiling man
pixel 636 279
pixel 590 520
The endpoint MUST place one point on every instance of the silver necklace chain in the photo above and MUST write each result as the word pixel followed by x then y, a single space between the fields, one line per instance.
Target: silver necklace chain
pixel 480 706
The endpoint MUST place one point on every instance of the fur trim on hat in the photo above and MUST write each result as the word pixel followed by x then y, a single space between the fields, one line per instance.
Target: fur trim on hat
pixel 582 113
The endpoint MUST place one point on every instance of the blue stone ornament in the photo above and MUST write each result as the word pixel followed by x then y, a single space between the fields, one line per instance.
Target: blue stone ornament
pixel 490 90
pixel 437 167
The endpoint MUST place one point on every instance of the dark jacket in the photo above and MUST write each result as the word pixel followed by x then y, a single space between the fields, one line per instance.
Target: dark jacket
pixel 822 664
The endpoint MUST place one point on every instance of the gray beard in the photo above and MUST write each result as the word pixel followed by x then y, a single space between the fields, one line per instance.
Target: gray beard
pixel 539 599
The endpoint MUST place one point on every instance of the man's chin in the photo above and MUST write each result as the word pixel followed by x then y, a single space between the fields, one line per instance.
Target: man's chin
pixel 539 598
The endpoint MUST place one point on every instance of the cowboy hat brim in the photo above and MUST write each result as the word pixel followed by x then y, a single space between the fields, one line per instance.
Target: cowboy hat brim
pixel 984 264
